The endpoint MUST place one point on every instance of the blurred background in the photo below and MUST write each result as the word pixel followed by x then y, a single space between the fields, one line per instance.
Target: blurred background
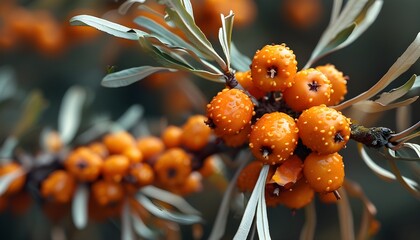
pixel 43 52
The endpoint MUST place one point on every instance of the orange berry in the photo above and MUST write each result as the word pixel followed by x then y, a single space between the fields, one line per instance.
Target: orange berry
pixel 237 139
pixel 99 148
pixel 302 14
pixel 338 83
pixel 17 184
pixel 245 79
pixel 150 146
pixel 192 184
pixel 229 111
pixel 173 167
pixel 133 154
pixel 298 196
pixel 323 129
pixel 273 68
pixel 272 192
pixel 84 164
pixel 171 136
pixel 117 142
pixel 115 167
pixel 249 176
pixel 324 172
pixel 273 138
pixel 328 197
pixel 58 187
pixel 107 193
pixel 139 175
pixel 311 88
pixel 195 133
pixel 210 166
pixel 52 141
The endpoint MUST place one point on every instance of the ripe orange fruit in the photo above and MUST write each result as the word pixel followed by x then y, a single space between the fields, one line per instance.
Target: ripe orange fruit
pixel 298 196
pixel 324 172
pixel 115 167
pixel 133 154
pixel 229 111
pixel 58 187
pixel 273 68
pixel 338 83
pixel 273 138
pixel 245 79
pixel 311 88
pixel 323 129
pixel 84 164
pixel 237 139
pixel 171 136
pixel 117 142
pixel 139 175
pixel 99 148
pixel 17 184
pixel 107 193
pixel 173 167
pixel 150 146
pixel 195 133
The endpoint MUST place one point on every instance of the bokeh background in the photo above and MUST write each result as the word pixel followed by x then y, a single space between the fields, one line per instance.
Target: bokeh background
pixel 51 56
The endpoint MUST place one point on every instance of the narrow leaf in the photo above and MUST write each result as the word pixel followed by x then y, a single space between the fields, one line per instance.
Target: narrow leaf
pixel 261 217
pixel 131 75
pixel 165 214
pixel 369 106
pixel 170 198
pixel 345 216
pixel 188 6
pixel 79 207
pixel 335 11
pixel 225 35
pixel 238 60
pixel 394 94
pixel 7 148
pixel 141 229
pixel 130 117
pixel 107 26
pixel 337 41
pixel 251 207
pixel 8 86
pixel 126 225
pixel 125 6
pixel 414 191
pixel 308 229
pixel 70 113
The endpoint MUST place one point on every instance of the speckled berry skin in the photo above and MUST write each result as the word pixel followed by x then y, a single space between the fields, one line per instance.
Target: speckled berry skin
pixel 323 129
pixel 173 167
pixel 84 164
pixel 273 138
pixel 245 79
pixel 248 177
pixel 273 68
pixel 324 172
pixel 298 196
pixel 229 111
pixel 338 83
pixel 58 187
pixel 311 88
pixel 195 133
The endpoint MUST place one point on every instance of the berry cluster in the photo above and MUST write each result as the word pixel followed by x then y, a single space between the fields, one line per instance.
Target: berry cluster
pixel 284 116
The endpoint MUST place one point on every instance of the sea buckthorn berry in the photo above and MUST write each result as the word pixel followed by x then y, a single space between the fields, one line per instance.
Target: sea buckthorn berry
pixel 249 175
pixel 245 79
pixel 273 68
pixel 311 88
pixel 99 148
pixel 324 172
pixel 211 165
pixel 52 141
pixel 237 139
pixel 115 167
pixel 171 136
pixel 139 175
pixel 273 138
pixel 133 154
pixel 17 184
pixel 117 142
pixel 338 83
pixel 150 146
pixel 191 185
pixel 327 198
pixel 173 167
pixel 107 193
pixel 84 164
pixel 195 133
pixel 323 129
pixel 229 111
pixel 58 187
pixel 298 196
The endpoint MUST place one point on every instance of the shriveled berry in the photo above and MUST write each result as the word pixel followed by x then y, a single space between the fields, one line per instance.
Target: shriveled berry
pixel 58 187
pixel 288 172
pixel 338 83
pixel 245 79
pixel 273 138
pixel 84 164
pixel 173 167
pixel 107 193
pixel 323 129
pixel 273 68
pixel 229 111
pixel 311 88
pixel 324 172
pixel 195 133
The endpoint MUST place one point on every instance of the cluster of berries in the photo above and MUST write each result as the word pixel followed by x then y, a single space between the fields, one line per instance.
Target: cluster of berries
pixel 119 165
pixel 284 117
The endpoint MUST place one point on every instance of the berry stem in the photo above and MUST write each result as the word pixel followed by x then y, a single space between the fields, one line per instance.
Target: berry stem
pixel 375 137
pixel 230 79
